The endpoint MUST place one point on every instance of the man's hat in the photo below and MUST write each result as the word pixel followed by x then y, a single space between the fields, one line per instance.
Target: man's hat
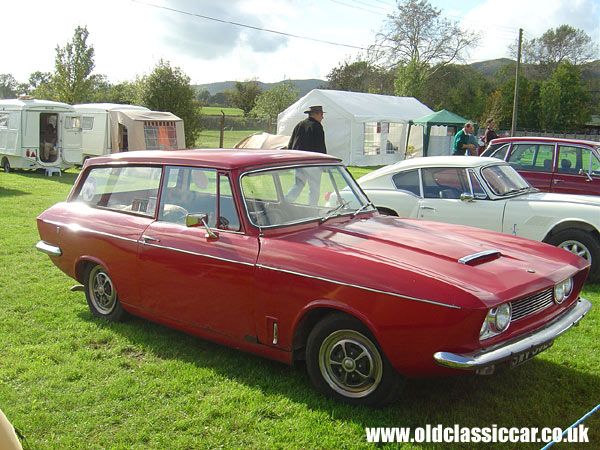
pixel 314 109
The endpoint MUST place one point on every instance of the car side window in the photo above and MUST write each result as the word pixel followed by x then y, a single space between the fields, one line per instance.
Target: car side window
pixel 500 153
pixel 443 182
pixel 130 189
pixel 408 181
pixel 573 159
pixel 532 157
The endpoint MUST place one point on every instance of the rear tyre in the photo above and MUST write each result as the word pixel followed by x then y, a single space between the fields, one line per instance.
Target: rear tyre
pixel 345 362
pixel 583 244
pixel 101 295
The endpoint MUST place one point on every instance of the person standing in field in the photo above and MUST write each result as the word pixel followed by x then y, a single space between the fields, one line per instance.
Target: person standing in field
pixel 308 135
pixel 461 141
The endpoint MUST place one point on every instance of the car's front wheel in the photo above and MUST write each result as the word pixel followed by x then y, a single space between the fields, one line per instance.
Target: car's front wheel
pixel 583 244
pixel 344 361
pixel 101 295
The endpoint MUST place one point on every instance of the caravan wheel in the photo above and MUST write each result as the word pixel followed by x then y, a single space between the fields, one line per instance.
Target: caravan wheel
pixel 6 165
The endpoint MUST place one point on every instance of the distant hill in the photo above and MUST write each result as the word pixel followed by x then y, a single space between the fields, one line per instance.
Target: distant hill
pixel 303 86
pixel 490 67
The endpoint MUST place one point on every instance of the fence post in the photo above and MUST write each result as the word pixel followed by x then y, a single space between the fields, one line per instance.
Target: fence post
pixel 222 134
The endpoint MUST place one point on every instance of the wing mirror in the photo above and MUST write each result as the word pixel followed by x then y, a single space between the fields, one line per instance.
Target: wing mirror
pixel 584 172
pixel 466 197
pixel 199 220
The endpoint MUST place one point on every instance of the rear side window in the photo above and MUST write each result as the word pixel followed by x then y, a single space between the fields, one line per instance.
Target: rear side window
pixel 129 189
pixel 497 151
pixel 408 181
pixel 533 157
pixel 573 159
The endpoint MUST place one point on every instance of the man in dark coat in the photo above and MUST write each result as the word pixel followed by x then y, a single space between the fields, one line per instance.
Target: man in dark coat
pixel 308 135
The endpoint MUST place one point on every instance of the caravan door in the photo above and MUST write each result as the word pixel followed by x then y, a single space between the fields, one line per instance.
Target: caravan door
pixel 71 138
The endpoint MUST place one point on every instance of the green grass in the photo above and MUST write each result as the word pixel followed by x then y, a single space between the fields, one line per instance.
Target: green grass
pixel 70 381
pixel 211 138
pixel 218 110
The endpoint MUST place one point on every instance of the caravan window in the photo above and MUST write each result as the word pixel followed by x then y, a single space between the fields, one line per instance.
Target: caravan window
pixel 4 120
pixel 87 123
pixel 160 135
pixel 72 122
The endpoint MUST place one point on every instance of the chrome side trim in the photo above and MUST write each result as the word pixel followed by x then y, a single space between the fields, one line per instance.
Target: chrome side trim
pixel 188 252
pixel 49 249
pixel 504 351
pixel 480 255
pixel 74 227
pixel 329 280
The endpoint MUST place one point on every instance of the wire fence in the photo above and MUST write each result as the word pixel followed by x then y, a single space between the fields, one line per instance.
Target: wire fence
pixel 226 131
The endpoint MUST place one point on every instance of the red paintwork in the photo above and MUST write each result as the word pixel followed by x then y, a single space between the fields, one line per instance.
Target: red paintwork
pixel 553 180
pixel 388 272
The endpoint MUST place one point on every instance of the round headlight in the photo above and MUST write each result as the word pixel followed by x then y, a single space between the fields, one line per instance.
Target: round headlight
pixel 503 316
pixel 562 290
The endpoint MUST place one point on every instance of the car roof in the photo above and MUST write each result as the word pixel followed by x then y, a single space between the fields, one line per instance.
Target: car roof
pixel 434 161
pixel 502 140
pixel 226 159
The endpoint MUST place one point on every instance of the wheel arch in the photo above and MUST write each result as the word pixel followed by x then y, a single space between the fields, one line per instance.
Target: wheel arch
pixel 82 265
pixel 311 317
pixel 571 224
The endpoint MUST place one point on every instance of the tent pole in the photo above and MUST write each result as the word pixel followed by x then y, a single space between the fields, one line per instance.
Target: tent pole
pixel 410 122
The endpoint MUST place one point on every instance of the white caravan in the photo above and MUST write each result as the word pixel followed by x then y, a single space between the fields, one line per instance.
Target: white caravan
pixel 38 134
pixel 112 128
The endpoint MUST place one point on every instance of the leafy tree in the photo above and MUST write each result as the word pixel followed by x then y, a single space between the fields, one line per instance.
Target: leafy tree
pixel 527 106
pixel 38 85
pixel 244 95
pixel 72 81
pixel 562 44
pixel 419 40
pixel 460 89
pixel 169 89
pixel 203 96
pixel 272 102
pixel 564 100
pixel 8 86
pixel 361 76
pixel 220 99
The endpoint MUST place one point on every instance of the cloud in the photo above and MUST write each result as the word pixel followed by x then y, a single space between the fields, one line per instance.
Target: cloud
pixel 203 38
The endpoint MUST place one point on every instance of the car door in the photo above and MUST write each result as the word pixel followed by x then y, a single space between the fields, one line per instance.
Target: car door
pixel 189 276
pixel 577 171
pixel 441 201
pixel 535 162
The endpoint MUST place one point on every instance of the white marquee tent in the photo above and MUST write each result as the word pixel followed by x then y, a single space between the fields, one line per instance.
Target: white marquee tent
pixel 362 129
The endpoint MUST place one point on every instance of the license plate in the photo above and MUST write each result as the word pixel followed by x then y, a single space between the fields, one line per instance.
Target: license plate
pixel 522 357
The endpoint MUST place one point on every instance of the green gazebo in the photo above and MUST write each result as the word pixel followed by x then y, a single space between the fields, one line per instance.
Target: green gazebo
pixel 443 118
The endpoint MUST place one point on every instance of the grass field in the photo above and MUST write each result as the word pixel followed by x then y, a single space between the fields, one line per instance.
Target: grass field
pixel 70 381
pixel 216 111
pixel 210 138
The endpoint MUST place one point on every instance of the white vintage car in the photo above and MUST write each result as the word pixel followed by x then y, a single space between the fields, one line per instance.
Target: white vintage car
pixel 489 194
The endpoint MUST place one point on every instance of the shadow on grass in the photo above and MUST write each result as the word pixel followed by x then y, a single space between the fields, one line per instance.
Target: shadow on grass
pixel 64 178
pixel 537 394
pixel 6 192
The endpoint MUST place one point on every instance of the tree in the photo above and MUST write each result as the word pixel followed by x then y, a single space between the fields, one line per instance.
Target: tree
pixel 361 76
pixel 244 95
pixel 272 102
pixel 564 100
pixel 38 85
pixel 72 82
pixel 8 86
pixel 169 89
pixel 417 38
pixel 562 44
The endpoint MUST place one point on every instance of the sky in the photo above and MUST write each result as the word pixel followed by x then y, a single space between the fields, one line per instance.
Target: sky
pixel 131 36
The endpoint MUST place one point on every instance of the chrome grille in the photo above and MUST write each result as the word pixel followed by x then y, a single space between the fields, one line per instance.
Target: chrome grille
pixel 530 305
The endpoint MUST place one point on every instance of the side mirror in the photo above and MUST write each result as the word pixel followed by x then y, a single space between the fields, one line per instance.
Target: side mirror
pixel 586 173
pixel 198 220
pixel 466 197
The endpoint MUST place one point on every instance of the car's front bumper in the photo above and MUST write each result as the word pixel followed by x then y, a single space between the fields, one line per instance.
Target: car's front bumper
pixel 506 350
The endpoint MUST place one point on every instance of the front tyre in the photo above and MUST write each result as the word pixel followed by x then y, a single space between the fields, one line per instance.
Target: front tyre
pixel 583 244
pixel 101 295
pixel 344 361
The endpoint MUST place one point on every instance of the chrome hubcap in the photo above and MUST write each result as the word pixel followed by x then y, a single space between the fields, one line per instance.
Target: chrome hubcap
pixel 102 292
pixel 350 363
pixel 578 248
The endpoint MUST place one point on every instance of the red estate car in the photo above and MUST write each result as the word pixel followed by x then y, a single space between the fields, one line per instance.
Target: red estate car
pixel 567 166
pixel 260 250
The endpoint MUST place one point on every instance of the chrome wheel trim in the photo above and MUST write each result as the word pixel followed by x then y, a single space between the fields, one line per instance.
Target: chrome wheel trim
pixel 577 248
pixel 102 292
pixel 350 363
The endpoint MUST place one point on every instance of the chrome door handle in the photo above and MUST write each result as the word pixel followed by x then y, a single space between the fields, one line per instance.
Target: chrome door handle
pixel 428 207
pixel 148 239
pixel 557 181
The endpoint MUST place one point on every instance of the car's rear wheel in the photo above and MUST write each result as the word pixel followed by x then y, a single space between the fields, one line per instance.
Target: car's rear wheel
pixel 344 361
pixel 101 295
pixel 583 244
